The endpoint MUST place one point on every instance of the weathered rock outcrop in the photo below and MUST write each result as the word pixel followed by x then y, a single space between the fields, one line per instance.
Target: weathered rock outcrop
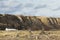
pixel 29 22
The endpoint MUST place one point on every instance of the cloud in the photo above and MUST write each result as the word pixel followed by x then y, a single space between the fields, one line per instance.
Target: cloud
pixel 40 6
pixel 31 7
pixel 28 5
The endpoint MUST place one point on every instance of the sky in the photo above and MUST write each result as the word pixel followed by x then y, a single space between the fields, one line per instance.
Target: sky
pixel 31 7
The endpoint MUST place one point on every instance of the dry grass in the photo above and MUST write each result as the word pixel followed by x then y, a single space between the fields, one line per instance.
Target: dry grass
pixel 26 35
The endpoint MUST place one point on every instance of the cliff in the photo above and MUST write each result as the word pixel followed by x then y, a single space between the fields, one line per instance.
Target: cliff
pixel 29 22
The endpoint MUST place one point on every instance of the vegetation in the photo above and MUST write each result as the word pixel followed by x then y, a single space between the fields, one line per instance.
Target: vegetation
pixel 25 35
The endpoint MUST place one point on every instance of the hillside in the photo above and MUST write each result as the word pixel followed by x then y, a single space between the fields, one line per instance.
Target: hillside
pixel 29 22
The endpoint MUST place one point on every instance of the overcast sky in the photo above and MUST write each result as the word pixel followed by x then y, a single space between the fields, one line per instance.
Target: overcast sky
pixel 31 7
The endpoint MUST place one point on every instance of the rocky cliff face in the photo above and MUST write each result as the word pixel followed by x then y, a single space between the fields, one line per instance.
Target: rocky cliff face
pixel 29 22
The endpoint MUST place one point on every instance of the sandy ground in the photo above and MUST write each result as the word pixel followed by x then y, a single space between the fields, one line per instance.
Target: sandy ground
pixel 26 35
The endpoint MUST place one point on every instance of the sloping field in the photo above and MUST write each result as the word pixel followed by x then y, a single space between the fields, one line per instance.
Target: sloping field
pixel 29 35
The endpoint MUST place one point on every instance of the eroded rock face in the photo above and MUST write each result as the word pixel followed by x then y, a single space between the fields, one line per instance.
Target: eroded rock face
pixel 9 21
pixel 29 22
